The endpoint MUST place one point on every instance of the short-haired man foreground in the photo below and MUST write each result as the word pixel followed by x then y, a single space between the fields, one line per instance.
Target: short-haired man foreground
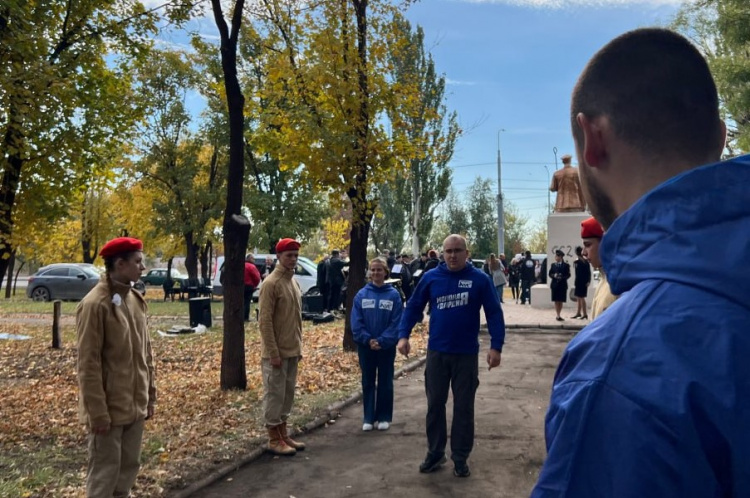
pixel 652 399
pixel 456 291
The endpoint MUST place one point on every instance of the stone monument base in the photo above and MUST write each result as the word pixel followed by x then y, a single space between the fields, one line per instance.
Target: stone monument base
pixel 564 233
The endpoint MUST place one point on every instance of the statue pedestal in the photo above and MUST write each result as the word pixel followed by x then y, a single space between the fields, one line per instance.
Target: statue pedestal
pixel 564 233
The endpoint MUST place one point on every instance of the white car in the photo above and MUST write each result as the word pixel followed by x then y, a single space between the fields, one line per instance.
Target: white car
pixel 306 273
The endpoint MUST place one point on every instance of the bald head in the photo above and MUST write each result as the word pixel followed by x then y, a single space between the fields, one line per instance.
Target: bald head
pixel 455 238
pixel 455 252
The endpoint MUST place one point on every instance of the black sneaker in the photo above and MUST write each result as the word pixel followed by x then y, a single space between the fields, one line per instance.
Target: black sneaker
pixel 460 469
pixel 432 463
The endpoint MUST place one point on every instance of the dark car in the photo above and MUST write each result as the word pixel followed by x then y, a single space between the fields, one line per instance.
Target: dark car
pixel 62 281
pixel 157 276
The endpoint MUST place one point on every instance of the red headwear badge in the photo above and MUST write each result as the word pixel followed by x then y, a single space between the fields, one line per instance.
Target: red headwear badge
pixel 590 228
pixel 120 245
pixel 286 245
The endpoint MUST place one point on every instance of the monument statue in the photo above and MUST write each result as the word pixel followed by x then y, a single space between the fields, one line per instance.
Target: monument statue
pixel 568 187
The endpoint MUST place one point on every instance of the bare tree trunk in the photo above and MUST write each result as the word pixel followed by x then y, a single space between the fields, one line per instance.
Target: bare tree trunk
pixel 191 256
pixel 236 227
pixel 416 215
pixel 361 208
pixel 9 283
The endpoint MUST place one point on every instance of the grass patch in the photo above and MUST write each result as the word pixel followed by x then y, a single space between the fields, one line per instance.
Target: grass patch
pixel 156 307
pixel 197 426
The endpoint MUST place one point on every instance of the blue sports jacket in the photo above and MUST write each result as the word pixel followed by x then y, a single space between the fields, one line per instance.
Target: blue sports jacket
pixel 375 315
pixel 652 399
pixel 455 299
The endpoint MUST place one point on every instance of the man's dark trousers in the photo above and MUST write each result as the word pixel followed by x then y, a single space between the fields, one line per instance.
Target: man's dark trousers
pixel 248 297
pixel 334 299
pixel 460 373
pixel 525 291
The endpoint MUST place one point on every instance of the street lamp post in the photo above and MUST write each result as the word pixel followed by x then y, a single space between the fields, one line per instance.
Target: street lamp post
pixel 500 213
pixel 554 151
pixel 548 191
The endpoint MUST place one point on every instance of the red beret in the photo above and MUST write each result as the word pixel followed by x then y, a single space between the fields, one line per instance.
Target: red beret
pixel 286 245
pixel 590 228
pixel 120 245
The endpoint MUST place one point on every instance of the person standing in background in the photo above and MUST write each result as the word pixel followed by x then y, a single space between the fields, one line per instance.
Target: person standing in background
pixel 251 279
pixel 322 281
pixel 559 274
pixel 581 284
pixel 335 278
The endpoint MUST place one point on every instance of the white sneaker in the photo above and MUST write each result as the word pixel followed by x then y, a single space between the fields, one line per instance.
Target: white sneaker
pixel 366 427
pixel 383 426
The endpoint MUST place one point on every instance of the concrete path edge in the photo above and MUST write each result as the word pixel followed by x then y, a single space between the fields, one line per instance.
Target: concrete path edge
pixel 330 413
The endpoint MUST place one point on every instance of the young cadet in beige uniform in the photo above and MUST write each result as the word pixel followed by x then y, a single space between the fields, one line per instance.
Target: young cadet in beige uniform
pixel 591 234
pixel 115 371
pixel 280 324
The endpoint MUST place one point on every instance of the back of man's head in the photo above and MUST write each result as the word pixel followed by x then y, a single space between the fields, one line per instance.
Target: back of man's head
pixel 528 254
pixel 335 253
pixel 657 91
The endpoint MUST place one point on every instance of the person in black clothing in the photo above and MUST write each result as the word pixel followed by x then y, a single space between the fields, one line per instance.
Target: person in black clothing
pixel 559 273
pixel 432 261
pixel 514 279
pixel 527 277
pixel 322 281
pixel 582 281
pixel 335 279
pixel 404 274
pixel 391 260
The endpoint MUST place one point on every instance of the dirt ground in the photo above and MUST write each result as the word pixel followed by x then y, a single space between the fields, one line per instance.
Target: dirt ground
pixel 343 461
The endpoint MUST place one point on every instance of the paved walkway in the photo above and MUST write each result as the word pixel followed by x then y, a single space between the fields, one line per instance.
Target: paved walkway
pixel 343 461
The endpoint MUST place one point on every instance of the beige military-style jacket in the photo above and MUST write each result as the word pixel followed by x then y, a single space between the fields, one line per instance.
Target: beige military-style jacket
pixel 116 377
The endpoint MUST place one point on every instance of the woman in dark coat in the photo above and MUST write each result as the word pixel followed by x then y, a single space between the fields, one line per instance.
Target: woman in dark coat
pixel 582 281
pixel 559 273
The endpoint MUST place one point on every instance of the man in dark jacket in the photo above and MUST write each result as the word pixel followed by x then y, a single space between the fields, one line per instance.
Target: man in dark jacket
pixel 335 278
pixel 528 277
pixel 322 281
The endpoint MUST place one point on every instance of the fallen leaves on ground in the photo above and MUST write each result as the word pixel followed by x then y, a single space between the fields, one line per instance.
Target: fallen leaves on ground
pixel 196 427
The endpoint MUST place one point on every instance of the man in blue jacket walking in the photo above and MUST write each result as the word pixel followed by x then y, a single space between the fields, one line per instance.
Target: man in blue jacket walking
pixel 652 399
pixel 456 291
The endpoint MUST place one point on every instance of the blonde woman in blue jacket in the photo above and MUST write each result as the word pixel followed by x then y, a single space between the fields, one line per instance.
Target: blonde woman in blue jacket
pixel 375 317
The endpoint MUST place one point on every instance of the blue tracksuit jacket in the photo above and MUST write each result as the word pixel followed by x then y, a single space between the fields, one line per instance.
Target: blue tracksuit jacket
pixel 455 299
pixel 376 314
pixel 652 399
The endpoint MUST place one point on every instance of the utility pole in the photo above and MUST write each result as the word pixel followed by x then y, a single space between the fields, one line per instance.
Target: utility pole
pixel 500 213
pixel 554 151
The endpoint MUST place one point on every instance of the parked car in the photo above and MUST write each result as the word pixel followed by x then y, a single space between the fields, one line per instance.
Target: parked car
pixel 157 276
pixel 306 273
pixel 62 281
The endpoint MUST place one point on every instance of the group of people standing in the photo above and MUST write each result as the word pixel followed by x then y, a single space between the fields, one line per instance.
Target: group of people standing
pixel 651 399
pixel 331 279
pixel 455 291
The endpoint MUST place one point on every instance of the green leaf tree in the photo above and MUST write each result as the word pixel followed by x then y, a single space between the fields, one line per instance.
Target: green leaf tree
pixel 425 123
pixel 331 71
pixel 61 98
pixel 183 166
pixel 721 30
pixel 483 219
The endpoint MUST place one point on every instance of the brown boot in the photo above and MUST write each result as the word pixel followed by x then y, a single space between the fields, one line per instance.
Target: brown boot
pixel 289 441
pixel 276 444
